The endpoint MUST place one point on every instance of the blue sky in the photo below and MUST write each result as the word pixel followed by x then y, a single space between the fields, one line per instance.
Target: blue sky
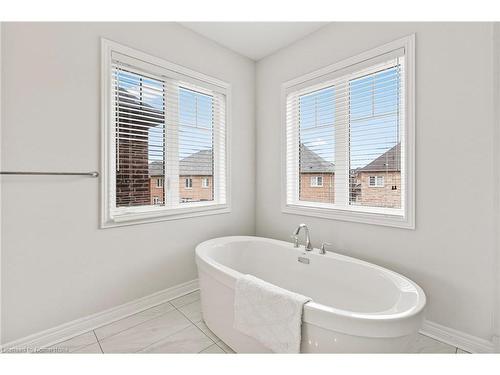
pixel 196 122
pixel 373 118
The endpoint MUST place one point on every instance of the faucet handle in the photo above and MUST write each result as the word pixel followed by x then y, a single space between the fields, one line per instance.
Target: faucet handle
pixel 322 250
pixel 295 239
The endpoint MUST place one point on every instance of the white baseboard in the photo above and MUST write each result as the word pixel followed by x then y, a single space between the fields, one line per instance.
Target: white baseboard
pixel 76 327
pixel 457 338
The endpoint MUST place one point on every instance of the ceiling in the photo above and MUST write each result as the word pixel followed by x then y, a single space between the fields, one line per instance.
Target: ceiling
pixel 254 39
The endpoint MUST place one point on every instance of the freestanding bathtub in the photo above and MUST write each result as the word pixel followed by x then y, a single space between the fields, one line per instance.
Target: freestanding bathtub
pixel 356 307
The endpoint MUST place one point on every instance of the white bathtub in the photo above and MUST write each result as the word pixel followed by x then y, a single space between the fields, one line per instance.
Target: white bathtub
pixel 356 307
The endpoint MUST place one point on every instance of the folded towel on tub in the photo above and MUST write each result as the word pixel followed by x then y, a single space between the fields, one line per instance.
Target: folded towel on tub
pixel 268 313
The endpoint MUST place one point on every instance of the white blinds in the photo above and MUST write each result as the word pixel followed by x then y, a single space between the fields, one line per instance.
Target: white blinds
pixel 139 115
pixel 168 130
pixel 375 136
pixel 348 130
pixel 196 140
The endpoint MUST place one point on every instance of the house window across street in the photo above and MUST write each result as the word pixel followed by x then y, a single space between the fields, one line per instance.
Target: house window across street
pixel 376 181
pixel 317 181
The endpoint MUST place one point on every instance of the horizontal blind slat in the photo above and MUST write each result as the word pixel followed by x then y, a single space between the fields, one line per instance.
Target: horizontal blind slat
pixel 361 113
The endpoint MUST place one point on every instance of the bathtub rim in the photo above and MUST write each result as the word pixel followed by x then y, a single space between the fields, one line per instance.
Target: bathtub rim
pixel 351 322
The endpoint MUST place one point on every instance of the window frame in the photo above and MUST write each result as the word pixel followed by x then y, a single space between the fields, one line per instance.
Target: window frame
pixel 203 184
pixel 188 183
pixel 376 184
pixel 353 213
pixel 160 182
pixel 315 184
pixel 145 214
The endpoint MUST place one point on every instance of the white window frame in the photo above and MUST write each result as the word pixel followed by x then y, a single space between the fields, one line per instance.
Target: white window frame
pixel 160 182
pixel 401 218
pixel 145 214
pixel 188 183
pixel 314 181
pixel 156 200
pixel 205 182
pixel 378 181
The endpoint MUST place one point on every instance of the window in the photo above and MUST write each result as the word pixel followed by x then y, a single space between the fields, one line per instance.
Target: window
pixel 376 181
pixel 161 123
pixel 205 183
pixel 352 124
pixel 317 181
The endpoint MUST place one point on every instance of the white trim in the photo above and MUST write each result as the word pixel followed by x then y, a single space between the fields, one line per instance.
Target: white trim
pixel 353 214
pixel 203 180
pixel 376 180
pixel 76 327
pixel 457 338
pixel 135 218
pixel 496 190
pixel 1 122
pixel 140 215
pixel 407 220
pixel 314 181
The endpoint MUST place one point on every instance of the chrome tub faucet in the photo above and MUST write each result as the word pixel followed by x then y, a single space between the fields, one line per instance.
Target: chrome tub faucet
pixel 323 249
pixel 295 237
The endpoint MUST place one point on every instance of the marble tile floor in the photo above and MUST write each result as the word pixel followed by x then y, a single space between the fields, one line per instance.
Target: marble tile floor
pixel 176 326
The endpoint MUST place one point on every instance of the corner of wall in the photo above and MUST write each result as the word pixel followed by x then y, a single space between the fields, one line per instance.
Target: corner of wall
pixel 496 176
pixel 1 341
pixel 255 148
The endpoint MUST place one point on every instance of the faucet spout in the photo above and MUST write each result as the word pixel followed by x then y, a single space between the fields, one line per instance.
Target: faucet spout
pixel 308 245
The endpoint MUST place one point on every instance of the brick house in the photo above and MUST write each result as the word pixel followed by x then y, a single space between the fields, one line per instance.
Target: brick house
pixel 379 183
pixel 156 182
pixel 316 177
pixel 195 178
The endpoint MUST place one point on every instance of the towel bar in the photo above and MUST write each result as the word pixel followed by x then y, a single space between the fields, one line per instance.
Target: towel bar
pixel 91 174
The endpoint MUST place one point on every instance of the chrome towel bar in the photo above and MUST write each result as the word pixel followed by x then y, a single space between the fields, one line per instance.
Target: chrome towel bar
pixel 90 174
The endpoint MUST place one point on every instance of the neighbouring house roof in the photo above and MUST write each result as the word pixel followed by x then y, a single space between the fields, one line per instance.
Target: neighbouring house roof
pixel 311 162
pixel 156 168
pixel 197 164
pixel 389 161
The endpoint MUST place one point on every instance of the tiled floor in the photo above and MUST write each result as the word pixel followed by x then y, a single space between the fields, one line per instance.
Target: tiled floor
pixel 176 327
pixel 172 327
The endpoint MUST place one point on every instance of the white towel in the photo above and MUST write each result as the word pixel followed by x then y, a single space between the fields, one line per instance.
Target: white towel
pixel 270 314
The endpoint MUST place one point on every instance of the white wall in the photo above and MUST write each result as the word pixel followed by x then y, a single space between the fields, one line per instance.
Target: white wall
pixel 451 253
pixel 496 169
pixel 56 264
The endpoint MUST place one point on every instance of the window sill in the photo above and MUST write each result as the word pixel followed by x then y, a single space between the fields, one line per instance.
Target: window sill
pixel 156 214
pixel 371 215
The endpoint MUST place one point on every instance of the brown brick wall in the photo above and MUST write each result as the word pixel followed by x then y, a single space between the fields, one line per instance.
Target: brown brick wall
pixel 132 176
pixel 156 191
pixel 369 196
pixel 197 192
pixel 380 196
pixel 324 194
